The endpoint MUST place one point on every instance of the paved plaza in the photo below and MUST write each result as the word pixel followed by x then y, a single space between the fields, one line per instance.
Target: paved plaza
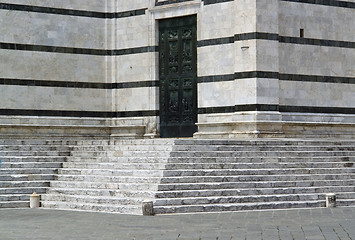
pixel 299 224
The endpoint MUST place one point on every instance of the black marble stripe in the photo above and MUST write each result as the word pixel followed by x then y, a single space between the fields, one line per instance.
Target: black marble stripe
pixel 316 42
pixel 140 84
pixel 316 78
pixel 332 3
pixel 256 74
pixel 256 35
pixel 208 2
pixel 314 109
pixel 237 75
pixel 281 108
pixel 201 43
pixel 202 79
pixel 63 113
pixel 82 51
pixel 276 75
pixel 71 84
pixel 238 108
pixel 275 37
pixel 170 2
pixel 72 12
pixel 216 78
pixel 54 49
pixel 62 84
pixel 146 113
pixel 152 113
pixel 238 37
pixel 216 41
pixel 136 50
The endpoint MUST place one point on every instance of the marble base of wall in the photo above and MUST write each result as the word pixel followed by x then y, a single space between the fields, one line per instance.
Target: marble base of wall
pixel 274 125
pixel 319 130
pixel 229 125
pixel 12 126
pixel 239 130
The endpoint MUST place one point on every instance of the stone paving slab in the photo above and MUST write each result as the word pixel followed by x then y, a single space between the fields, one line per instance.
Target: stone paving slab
pixel 298 224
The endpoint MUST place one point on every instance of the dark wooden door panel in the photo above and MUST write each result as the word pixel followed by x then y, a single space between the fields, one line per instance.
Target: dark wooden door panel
pixel 177 75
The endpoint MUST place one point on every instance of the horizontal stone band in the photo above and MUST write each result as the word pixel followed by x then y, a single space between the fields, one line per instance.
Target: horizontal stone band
pixel 64 113
pixel 275 37
pixel 152 113
pixel 276 75
pixel 278 108
pixel 332 3
pixel 71 84
pixel 72 12
pixel 155 83
pixel 83 51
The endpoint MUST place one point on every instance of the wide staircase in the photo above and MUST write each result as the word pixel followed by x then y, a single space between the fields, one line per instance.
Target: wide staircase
pixel 212 175
pixel 177 175
pixel 110 176
pixel 28 166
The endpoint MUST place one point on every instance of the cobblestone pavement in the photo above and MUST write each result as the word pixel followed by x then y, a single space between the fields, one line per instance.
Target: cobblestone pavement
pixel 315 224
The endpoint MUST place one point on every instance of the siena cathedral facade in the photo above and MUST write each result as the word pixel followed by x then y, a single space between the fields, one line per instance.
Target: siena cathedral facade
pixel 178 68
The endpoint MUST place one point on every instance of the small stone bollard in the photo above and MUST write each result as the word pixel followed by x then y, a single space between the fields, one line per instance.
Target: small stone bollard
pixel 330 200
pixel 147 208
pixel 34 200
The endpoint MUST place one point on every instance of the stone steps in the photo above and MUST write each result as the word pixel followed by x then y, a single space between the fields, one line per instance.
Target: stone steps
pixel 84 154
pixel 241 148
pixel 197 160
pixel 36 159
pixel 178 175
pixel 249 199
pixel 209 154
pixel 266 142
pixel 27 177
pixel 259 154
pixel 22 190
pixel 237 207
pixel 110 172
pixel 34 153
pixel 15 204
pixel 102 178
pixel 254 191
pixel 15 197
pixel 101 192
pixel 124 209
pixel 91 199
pixel 37 148
pixel 269 165
pixel 202 148
pixel 38 142
pixel 112 166
pixel 27 171
pixel 246 178
pixel 102 181
pixel 157 141
pixel 346 202
pixel 105 185
pixel 203 172
pixel 246 185
pixel 108 148
pixel 271 171
pixel 20 184
pixel 183 166
pixel 246 206
pixel 28 165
